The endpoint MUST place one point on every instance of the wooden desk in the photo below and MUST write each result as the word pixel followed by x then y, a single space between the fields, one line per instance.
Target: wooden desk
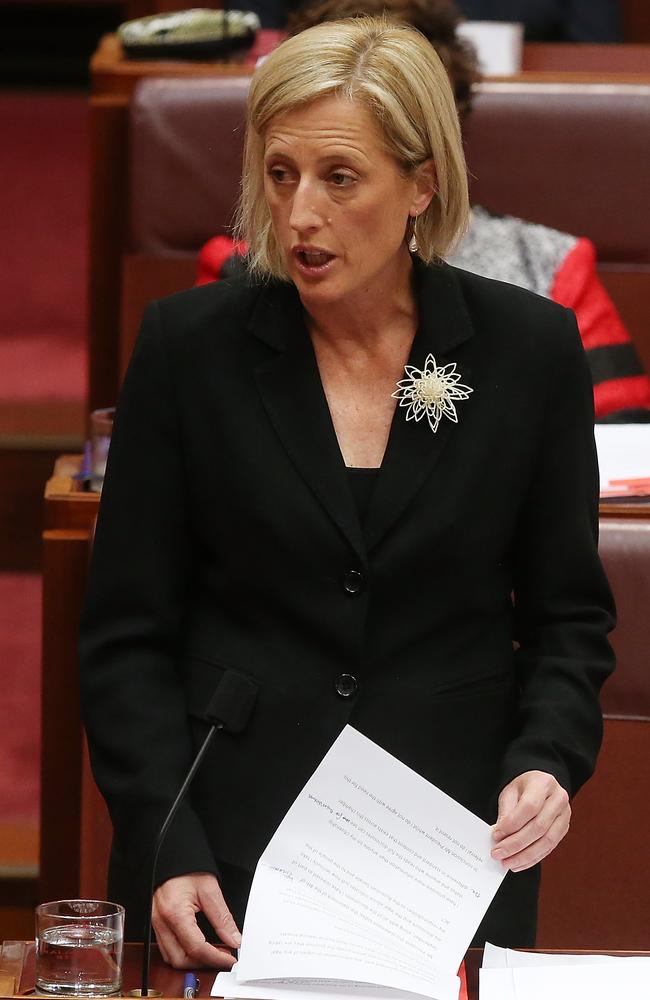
pixel 69 519
pixel 170 982
pixel 20 966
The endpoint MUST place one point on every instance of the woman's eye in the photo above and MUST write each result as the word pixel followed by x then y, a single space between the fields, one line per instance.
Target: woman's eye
pixel 339 179
pixel 278 174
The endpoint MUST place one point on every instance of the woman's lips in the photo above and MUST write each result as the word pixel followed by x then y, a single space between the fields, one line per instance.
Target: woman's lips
pixel 313 263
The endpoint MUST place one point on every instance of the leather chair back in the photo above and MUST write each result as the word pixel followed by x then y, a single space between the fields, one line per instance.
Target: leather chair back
pixel 544 152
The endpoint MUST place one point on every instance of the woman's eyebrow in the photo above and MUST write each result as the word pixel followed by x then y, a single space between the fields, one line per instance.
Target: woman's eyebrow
pixel 354 157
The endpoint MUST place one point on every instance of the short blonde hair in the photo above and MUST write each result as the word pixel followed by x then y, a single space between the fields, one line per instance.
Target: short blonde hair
pixel 395 73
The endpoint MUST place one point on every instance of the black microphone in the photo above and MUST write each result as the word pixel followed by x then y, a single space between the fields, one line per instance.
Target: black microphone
pixel 228 710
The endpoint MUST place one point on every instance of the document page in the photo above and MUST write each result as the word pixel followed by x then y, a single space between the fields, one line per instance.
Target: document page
pixel 624 459
pixel 495 957
pixel 521 975
pixel 583 982
pixel 374 876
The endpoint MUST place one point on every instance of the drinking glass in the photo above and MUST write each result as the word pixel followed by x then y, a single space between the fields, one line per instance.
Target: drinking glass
pixel 79 948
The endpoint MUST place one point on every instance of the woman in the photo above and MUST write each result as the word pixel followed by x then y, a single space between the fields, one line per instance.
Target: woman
pixel 324 486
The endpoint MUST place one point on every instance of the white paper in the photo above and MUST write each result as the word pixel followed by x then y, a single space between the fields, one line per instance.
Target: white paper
pixel 495 957
pixel 617 981
pixel 623 459
pixel 497 984
pixel 373 877
pixel 226 986
pixel 523 975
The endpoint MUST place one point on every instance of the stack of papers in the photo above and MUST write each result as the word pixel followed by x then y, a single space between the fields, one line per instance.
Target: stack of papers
pixel 624 460
pixel 373 886
pixel 519 975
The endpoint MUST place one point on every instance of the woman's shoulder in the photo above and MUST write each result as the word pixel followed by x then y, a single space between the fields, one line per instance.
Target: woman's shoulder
pixel 491 293
pixel 501 310
pixel 227 304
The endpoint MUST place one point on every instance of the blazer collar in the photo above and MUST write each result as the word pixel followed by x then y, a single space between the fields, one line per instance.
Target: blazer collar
pixel 291 390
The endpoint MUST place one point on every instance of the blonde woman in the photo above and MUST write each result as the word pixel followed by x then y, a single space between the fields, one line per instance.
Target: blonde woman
pixel 360 484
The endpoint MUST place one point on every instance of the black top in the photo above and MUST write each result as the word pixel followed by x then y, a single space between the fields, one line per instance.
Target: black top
pixel 362 484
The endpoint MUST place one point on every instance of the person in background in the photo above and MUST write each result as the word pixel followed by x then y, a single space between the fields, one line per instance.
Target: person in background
pixel 552 20
pixel 554 264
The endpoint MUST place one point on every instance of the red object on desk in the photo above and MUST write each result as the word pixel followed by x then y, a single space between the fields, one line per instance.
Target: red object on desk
pixel 463 983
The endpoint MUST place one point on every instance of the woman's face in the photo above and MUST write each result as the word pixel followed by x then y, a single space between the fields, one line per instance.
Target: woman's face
pixel 338 201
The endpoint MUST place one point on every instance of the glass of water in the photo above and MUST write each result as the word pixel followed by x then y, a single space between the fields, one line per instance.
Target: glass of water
pixel 79 948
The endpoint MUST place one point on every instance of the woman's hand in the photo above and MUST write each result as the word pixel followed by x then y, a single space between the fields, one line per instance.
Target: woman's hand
pixel 180 939
pixel 534 816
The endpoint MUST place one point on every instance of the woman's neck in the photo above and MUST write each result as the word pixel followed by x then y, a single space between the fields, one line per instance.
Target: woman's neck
pixel 367 319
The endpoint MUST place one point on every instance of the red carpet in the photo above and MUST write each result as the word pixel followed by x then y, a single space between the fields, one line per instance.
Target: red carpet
pixel 43 207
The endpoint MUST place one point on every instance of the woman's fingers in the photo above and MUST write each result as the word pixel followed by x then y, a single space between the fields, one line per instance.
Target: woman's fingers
pixel 534 816
pixel 181 941
pixel 214 906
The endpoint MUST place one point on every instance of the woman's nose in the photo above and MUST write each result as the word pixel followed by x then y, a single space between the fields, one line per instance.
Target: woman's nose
pixel 305 213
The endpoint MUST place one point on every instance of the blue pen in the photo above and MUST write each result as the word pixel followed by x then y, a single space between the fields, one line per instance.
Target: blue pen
pixel 190 985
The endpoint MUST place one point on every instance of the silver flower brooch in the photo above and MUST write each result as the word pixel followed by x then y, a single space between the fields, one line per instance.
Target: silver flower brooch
pixel 431 391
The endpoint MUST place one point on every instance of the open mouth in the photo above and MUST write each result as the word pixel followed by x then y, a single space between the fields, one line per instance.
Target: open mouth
pixel 313 261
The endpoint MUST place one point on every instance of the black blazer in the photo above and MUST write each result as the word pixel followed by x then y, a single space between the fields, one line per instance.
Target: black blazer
pixel 228 546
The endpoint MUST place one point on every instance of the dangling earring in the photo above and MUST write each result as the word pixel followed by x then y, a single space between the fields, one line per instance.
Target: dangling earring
pixel 413 239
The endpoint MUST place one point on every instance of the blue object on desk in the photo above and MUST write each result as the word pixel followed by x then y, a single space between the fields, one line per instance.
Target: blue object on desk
pixel 190 985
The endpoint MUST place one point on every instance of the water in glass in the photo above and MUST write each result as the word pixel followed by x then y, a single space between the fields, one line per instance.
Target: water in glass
pixel 80 960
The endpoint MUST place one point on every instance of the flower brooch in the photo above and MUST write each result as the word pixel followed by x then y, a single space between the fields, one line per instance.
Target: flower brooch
pixel 431 391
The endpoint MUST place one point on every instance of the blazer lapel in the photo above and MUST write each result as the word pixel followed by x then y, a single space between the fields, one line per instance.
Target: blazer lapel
pixel 293 396
pixel 413 449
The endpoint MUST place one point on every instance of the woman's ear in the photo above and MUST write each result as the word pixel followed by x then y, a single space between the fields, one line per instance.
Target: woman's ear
pixel 425 181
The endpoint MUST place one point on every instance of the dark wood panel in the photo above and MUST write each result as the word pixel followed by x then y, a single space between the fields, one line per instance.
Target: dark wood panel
pixel 636 20
pixel 65 561
pixel 145 278
pixel 23 470
pixel 595 886
pixel 630 290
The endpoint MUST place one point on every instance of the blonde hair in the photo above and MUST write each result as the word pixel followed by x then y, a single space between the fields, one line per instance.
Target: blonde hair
pixel 395 73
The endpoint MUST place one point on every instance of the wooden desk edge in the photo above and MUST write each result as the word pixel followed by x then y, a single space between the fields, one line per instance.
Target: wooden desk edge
pixel 472 962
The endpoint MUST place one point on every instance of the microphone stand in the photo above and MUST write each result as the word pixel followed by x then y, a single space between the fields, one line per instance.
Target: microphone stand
pixel 144 990
pixel 229 710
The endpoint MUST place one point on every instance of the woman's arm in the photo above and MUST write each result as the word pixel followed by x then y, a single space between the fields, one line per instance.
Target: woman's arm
pixel 563 612
pixel 140 581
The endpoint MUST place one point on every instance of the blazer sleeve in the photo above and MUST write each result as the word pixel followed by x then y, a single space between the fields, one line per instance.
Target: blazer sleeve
pixel 133 704
pixel 563 605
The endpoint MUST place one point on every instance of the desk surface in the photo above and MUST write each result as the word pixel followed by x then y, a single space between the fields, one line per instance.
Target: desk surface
pixel 170 982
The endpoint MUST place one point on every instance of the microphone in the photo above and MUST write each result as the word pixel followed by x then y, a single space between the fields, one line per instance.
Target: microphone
pixel 229 710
